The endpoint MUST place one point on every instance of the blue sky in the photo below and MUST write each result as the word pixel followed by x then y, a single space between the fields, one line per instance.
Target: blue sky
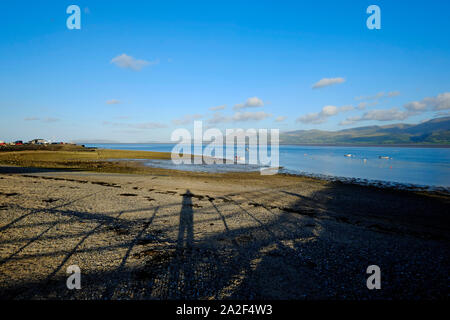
pixel 137 70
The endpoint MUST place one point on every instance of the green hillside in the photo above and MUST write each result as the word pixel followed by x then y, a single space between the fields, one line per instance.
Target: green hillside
pixel 435 131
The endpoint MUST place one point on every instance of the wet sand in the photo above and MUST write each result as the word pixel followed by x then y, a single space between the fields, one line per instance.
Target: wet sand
pixel 165 234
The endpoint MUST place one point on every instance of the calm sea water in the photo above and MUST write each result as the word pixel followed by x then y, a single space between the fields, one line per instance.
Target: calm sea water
pixel 419 166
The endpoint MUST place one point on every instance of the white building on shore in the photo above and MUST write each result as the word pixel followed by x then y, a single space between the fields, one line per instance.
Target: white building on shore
pixel 38 141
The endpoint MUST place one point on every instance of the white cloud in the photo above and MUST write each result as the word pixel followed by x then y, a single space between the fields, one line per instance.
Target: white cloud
pixel 393 94
pixel 346 122
pixel 250 103
pixel 346 108
pixel 322 116
pixel 218 118
pixel 329 111
pixel 437 103
pixel 217 108
pixel 250 116
pixel 112 101
pixel 379 95
pixel 127 62
pixel 440 102
pixel 379 115
pixel 415 106
pixel 325 82
pixel 238 117
pixel 314 118
pixel 362 106
pixel 385 115
pixel 31 119
pixel 280 119
pixel 186 119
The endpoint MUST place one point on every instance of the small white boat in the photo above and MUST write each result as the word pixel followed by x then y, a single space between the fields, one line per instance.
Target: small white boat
pixel 384 157
pixel 348 155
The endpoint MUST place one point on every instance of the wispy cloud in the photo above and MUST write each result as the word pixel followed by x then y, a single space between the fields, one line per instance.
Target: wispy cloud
pixel 50 119
pixel 373 97
pixel 249 103
pixel 217 108
pixel 437 103
pixel 379 95
pixel 324 114
pixel 378 115
pixel 280 119
pixel 113 101
pixel 440 102
pixel 140 126
pixel 393 94
pixel 325 82
pixel 148 125
pixel 416 106
pixel 363 105
pixel 218 117
pixel 128 62
pixel 250 116
pixel 187 119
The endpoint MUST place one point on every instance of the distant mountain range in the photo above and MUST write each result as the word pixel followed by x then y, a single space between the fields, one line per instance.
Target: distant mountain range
pixel 431 132
pixel 435 131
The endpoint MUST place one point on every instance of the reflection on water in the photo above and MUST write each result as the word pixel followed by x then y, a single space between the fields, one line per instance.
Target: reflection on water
pixel 238 167
pixel 421 166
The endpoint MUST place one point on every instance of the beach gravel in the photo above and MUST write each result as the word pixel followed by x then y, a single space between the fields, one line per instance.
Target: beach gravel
pixel 207 236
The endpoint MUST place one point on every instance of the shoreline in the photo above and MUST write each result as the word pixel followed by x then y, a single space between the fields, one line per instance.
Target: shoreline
pixel 130 161
pixel 443 146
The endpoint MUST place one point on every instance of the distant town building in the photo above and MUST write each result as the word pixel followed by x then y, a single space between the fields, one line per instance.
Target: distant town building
pixel 38 141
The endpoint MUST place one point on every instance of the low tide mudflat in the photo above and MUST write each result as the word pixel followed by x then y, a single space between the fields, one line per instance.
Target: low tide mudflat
pixel 149 233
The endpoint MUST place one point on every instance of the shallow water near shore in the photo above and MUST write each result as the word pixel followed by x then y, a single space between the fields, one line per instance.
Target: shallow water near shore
pixel 405 165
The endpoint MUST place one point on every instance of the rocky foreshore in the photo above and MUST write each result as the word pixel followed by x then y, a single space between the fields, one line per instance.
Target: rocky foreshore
pixel 170 235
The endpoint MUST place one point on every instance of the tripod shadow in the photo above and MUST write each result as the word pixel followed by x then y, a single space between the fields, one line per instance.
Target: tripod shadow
pixel 181 277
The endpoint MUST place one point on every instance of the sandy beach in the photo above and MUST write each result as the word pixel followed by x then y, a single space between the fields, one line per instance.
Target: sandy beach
pixel 164 234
